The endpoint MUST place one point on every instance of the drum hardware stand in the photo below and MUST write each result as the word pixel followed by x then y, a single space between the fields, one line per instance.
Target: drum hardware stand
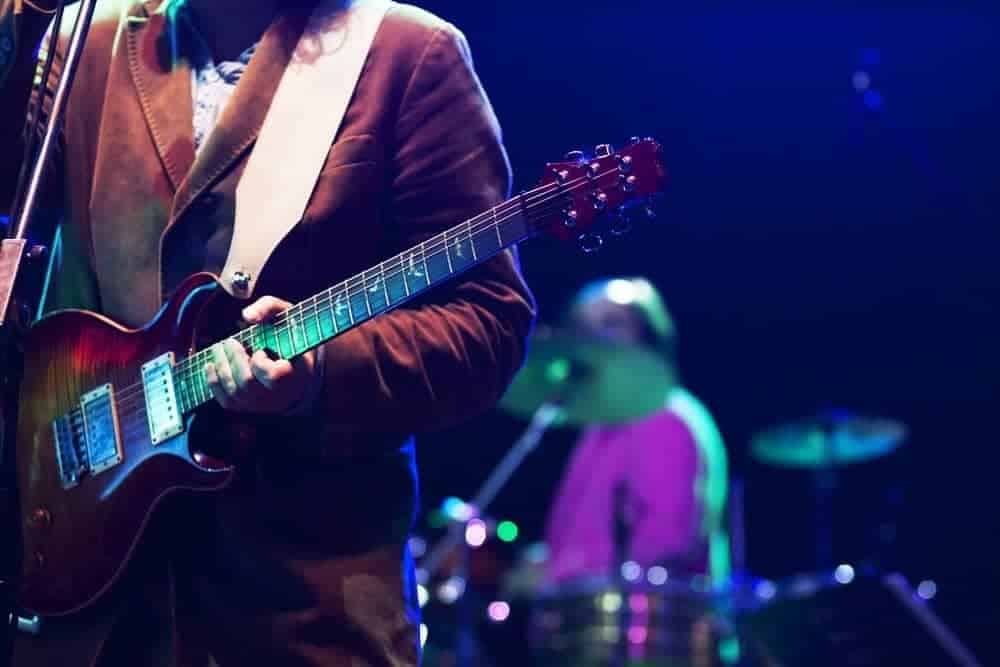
pixel 621 534
pixel 12 253
pixel 547 415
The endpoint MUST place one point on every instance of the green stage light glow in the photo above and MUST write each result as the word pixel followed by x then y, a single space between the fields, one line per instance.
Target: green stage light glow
pixel 507 531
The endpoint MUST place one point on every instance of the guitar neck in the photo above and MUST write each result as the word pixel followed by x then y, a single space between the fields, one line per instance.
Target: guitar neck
pixel 379 289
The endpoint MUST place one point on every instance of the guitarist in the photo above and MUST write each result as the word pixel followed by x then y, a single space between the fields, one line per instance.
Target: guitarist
pixel 303 561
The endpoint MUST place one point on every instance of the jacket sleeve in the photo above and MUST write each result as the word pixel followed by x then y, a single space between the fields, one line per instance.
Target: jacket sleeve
pixel 453 355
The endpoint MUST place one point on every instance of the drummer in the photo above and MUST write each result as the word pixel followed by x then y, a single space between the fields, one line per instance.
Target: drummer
pixel 663 474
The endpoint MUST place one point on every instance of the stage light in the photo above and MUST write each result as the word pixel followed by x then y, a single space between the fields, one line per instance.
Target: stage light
pixel 507 531
pixel 631 571
pixel 451 590
pixel 457 510
pixel 418 546
pixel 638 603
pixel 611 602
pixel 844 574
pixel 637 634
pixel 765 590
pixel 475 533
pixel 422 595
pixel 498 611
pixel 927 589
pixel 424 633
pixel 657 575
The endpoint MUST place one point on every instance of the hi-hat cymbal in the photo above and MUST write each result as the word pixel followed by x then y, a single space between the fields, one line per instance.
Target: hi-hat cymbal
pixel 839 439
pixel 596 382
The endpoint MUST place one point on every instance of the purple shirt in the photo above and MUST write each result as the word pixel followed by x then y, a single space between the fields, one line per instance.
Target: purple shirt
pixel 658 459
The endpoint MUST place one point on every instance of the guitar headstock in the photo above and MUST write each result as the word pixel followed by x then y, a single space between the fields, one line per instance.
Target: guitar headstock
pixel 598 194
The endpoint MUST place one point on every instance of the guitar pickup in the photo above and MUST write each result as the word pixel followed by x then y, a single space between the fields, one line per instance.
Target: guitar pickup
pixel 100 428
pixel 162 412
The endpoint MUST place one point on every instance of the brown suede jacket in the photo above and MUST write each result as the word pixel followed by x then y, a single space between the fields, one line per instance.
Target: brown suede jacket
pixel 304 561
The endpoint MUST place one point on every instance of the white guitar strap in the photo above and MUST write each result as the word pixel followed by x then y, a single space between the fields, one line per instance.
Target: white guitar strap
pixel 301 124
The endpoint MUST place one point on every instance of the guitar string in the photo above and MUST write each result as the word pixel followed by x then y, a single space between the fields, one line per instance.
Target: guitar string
pixel 128 396
pixel 346 289
pixel 510 210
pixel 352 287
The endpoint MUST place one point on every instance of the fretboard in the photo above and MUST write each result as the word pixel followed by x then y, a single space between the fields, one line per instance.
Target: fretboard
pixel 379 289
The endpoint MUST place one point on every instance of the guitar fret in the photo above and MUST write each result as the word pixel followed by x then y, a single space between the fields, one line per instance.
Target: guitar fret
pixel 447 254
pixel 468 227
pixel 322 316
pixel 385 284
pixel 364 289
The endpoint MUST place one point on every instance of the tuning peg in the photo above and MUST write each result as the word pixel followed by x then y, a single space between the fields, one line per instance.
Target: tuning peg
pixel 600 201
pixel 627 183
pixel 590 243
pixel 625 164
pixel 575 156
pixel 635 140
pixel 570 218
pixel 603 150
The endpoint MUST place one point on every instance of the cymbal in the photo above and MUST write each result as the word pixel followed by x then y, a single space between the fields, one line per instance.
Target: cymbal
pixel 838 439
pixel 596 382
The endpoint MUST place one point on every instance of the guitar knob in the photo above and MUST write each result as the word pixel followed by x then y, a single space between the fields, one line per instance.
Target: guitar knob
pixel 590 243
pixel 575 156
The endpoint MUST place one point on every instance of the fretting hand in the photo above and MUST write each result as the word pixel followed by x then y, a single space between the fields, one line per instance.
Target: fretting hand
pixel 258 384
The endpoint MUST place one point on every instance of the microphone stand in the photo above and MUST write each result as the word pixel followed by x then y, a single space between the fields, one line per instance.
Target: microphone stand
pixel 545 416
pixel 12 254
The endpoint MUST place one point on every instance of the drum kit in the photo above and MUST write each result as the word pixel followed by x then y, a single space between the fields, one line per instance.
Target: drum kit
pixel 648 618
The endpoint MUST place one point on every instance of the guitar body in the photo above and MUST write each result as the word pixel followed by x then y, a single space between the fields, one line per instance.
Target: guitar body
pixel 77 541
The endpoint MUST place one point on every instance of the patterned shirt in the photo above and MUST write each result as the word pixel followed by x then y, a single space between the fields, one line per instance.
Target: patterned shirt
pixel 211 84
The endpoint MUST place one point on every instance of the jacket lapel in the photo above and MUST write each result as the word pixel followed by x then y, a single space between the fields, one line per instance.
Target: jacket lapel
pixel 163 83
pixel 241 119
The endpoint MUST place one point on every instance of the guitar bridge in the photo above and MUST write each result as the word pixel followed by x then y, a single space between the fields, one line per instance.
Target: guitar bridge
pixel 71 450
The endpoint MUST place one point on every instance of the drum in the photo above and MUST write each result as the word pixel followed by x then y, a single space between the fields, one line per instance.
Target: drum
pixel 591 624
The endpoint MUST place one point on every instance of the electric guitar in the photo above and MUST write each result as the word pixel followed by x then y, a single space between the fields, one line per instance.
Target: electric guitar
pixel 106 426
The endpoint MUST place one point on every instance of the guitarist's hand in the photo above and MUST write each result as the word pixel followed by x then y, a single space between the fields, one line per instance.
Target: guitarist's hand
pixel 255 383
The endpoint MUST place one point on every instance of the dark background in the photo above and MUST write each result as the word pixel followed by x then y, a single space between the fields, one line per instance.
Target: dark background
pixel 818 247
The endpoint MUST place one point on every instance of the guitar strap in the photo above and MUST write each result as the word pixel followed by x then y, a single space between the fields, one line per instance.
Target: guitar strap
pixel 301 124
